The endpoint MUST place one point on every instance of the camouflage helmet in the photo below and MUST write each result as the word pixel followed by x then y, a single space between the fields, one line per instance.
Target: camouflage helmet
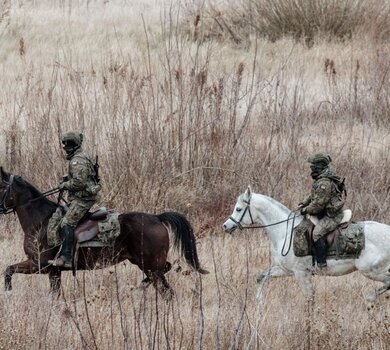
pixel 320 158
pixel 74 137
pixel 71 141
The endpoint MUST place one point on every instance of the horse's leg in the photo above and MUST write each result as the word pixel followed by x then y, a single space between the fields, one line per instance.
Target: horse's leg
pixel 27 267
pixel 377 274
pixel 304 280
pixel 147 280
pixel 161 284
pixel 145 283
pixel 274 271
pixel 371 297
pixel 383 289
pixel 55 281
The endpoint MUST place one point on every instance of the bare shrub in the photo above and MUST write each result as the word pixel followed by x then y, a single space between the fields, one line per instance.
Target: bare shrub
pixel 187 125
pixel 302 19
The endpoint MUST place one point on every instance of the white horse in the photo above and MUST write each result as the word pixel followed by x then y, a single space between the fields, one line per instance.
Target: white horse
pixel 373 262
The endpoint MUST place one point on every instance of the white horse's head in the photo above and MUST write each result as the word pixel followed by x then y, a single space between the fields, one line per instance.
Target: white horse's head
pixel 242 215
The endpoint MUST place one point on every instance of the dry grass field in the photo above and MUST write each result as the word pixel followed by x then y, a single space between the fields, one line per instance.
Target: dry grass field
pixel 186 103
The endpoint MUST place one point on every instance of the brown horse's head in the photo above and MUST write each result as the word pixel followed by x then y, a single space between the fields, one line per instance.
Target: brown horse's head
pixel 7 197
pixel 17 195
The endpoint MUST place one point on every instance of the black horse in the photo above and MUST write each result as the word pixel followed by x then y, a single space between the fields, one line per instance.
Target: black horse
pixel 143 238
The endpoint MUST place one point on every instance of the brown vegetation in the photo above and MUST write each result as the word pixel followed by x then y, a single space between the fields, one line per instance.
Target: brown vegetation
pixel 306 20
pixel 186 125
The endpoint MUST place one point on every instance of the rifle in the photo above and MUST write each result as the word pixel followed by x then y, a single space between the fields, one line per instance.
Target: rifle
pixel 96 168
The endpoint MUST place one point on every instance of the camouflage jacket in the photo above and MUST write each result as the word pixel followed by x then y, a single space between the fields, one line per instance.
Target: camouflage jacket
pixel 326 197
pixel 81 183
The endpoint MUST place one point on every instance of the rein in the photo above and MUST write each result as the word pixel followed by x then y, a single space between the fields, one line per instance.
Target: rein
pixel 247 208
pixel 6 210
pixel 260 226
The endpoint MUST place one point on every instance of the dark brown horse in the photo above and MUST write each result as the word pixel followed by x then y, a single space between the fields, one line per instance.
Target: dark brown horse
pixel 143 238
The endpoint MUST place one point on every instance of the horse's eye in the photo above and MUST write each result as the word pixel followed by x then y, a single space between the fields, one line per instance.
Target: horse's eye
pixel 238 209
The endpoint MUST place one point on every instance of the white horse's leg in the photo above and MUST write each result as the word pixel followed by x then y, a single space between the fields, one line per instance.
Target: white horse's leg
pixel 304 280
pixel 377 272
pixel 371 297
pixel 274 271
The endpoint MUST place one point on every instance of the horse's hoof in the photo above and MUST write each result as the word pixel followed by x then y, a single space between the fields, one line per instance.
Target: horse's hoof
pixel 260 278
pixel 168 295
pixel 145 284
pixel 371 297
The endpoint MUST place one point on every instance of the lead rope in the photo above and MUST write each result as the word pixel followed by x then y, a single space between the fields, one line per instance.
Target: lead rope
pixel 291 234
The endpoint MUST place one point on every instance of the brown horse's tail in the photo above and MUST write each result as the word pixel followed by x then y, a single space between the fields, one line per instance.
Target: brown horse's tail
pixel 184 238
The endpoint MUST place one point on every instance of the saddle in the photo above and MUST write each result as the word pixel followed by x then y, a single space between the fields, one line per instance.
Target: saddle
pixel 96 229
pixel 330 236
pixel 88 227
pixel 344 242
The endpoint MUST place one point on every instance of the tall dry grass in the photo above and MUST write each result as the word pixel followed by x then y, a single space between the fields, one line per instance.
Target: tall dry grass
pixel 303 20
pixel 185 125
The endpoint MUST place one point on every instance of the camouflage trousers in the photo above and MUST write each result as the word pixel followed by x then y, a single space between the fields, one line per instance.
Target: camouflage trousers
pixel 324 226
pixel 77 209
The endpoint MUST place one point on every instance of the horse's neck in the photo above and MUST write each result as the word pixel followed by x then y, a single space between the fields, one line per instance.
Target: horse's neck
pixel 32 215
pixel 271 212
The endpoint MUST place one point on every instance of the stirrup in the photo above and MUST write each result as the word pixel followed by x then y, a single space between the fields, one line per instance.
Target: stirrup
pixel 59 262
pixel 322 265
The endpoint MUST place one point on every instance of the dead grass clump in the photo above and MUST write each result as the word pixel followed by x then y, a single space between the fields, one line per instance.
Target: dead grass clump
pixel 186 126
pixel 303 20
pixel 5 9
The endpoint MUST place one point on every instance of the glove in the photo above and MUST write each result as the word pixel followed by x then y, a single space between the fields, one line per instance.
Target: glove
pixel 62 186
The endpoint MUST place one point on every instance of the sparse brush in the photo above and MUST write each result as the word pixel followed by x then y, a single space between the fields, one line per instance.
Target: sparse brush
pixel 303 19
pixel 186 125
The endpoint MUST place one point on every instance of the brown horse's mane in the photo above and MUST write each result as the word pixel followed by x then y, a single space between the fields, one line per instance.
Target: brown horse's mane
pixel 33 190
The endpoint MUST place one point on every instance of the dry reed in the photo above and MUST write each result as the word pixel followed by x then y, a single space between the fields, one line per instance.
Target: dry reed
pixel 186 125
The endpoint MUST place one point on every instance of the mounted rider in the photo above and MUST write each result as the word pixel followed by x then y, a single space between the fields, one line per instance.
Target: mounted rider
pixel 83 187
pixel 326 202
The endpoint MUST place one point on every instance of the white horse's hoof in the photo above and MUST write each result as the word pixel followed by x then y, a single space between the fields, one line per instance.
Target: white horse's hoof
pixel 8 293
pixel 261 278
pixel 371 297
pixel 258 293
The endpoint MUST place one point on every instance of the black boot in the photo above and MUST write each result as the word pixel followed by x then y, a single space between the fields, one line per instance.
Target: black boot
pixel 320 247
pixel 67 235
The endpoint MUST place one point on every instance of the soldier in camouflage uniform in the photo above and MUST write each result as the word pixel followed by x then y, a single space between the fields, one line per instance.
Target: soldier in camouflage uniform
pixel 82 186
pixel 326 202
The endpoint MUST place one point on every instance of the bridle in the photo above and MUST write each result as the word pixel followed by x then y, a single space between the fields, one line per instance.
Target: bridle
pixel 7 194
pixel 248 209
pixel 3 207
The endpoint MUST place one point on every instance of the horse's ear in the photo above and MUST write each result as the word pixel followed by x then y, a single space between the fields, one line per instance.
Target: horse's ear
pixel 4 175
pixel 248 193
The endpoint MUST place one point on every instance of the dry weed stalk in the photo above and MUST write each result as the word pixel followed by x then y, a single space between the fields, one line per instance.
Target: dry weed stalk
pixel 186 126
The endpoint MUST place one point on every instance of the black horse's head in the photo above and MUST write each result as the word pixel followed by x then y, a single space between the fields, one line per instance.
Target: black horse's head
pixel 16 192
pixel 8 198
